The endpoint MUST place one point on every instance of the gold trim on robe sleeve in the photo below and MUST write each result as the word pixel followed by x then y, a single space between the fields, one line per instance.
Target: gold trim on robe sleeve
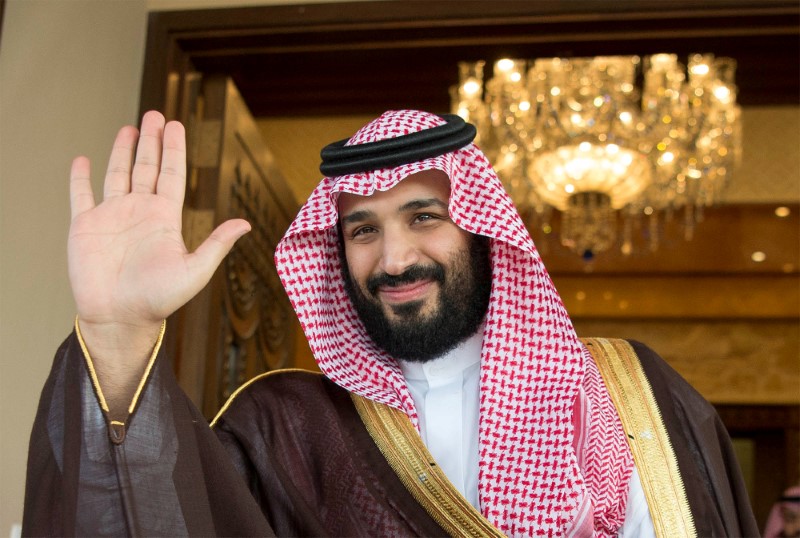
pixel 647 436
pixel 117 428
pixel 401 445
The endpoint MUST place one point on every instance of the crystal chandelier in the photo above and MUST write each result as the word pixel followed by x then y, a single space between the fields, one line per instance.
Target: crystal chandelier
pixel 606 139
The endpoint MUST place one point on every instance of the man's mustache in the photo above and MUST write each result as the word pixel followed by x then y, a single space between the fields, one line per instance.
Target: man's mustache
pixel 412 274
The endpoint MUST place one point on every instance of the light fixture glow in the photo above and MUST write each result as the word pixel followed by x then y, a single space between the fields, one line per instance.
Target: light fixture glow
pixel 607 139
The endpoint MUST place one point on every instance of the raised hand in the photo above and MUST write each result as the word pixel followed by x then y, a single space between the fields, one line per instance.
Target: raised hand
pixel 128 265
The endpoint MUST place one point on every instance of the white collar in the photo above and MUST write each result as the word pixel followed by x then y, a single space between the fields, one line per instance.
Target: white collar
pixel 454 362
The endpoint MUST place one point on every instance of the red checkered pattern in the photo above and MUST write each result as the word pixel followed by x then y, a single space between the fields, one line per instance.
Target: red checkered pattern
pixel 533 368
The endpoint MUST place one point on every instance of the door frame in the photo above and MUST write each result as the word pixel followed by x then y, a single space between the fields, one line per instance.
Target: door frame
pixel 429 34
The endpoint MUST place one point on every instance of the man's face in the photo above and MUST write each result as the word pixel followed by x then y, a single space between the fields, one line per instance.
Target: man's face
pixel 420 283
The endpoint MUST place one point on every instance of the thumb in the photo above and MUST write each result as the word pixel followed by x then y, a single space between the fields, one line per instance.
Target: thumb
pixel 205 260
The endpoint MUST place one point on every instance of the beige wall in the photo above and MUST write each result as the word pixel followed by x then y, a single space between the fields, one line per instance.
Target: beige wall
pixel 70 76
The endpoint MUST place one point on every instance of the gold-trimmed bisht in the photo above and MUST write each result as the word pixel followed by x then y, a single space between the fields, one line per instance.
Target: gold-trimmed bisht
pixel 402 446
pixel 647 436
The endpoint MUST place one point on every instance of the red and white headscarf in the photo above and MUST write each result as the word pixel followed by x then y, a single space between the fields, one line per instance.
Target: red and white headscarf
pixel 553 456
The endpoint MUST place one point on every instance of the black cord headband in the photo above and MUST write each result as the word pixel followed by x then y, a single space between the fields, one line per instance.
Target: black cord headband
pixel 338 159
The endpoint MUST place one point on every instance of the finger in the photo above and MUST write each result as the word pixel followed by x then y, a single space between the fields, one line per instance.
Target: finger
pixel 81 197
pixel 172 177
pixel 118 174
pixel 205 260
pixel 148 153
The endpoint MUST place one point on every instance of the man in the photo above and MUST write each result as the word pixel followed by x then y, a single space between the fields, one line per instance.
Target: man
pixel 784 517
pixel 456 398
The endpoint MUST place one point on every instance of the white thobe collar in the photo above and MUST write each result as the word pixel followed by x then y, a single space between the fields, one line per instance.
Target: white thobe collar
pixel 452 363
pixel 446 395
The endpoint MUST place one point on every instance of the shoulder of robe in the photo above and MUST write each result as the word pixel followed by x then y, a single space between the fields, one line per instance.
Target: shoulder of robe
pixel 668 385
pixel 710 473
pixel 276 390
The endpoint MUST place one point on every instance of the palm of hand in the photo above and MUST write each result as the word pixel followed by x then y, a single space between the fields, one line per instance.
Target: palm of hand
pixel 128 262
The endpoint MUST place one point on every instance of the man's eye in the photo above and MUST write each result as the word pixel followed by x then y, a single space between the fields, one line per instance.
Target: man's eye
pixel 422 217
pixel 362 230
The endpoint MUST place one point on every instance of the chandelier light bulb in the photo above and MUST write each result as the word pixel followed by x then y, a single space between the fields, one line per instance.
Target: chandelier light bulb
pixel 723 93
pixel 505 64
pixel 471 87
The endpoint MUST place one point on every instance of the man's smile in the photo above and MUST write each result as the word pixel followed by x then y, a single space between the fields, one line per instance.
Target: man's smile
pixel 402 293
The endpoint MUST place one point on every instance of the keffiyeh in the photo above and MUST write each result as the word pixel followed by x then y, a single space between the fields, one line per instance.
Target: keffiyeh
pixel 553 456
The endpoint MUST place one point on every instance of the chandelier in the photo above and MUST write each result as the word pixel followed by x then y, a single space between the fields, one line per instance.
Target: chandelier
pixel 609 141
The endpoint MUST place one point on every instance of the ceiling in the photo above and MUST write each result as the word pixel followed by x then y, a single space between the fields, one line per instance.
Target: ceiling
pixel 367 57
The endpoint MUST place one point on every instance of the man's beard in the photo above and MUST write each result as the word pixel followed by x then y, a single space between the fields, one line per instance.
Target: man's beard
pixel 464 289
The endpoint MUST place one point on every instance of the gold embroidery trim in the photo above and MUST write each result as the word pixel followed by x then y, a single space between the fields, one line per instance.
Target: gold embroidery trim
pixel 93 373
pixel 401 445
pixel 252 380
pixel 647 436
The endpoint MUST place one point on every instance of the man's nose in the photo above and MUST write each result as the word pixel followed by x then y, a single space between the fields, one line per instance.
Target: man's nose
pixel 400 251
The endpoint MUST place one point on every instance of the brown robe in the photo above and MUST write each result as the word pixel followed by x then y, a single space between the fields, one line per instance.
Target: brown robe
pixel 290 456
